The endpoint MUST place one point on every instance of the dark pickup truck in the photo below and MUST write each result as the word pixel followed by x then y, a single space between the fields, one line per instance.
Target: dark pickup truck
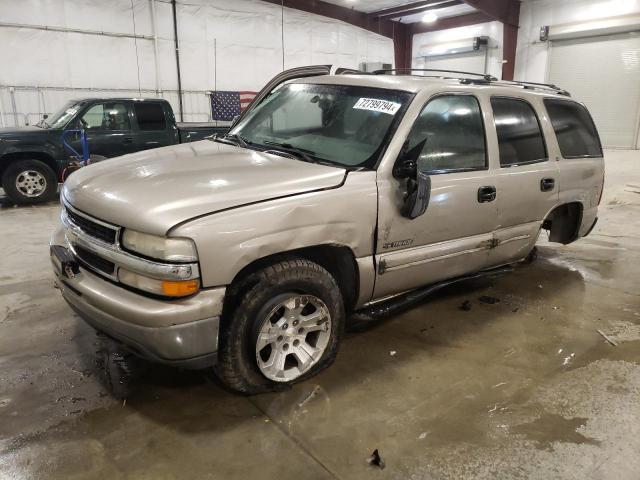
pixel 33 160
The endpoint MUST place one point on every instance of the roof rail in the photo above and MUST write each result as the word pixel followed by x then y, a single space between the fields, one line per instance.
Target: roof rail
pixel 484 76
pixel 350 71
pixel 540 86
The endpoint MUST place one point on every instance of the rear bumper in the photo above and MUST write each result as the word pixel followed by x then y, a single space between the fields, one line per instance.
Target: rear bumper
pixel 177 332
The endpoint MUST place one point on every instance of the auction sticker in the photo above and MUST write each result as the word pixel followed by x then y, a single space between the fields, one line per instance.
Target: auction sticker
pixel 382 106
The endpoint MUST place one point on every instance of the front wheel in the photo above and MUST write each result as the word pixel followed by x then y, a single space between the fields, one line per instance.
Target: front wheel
pixel 29 181
pixel 287 327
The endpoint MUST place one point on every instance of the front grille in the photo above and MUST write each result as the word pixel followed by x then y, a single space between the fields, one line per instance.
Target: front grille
pixel 91 228
pixel 94 261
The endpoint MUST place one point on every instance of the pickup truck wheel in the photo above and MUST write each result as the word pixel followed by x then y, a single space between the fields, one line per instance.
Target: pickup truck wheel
pixel 286 328
pixel 29 181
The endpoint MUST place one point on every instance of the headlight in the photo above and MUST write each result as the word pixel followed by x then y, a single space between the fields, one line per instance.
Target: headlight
pixel 162 248
pixel 165 288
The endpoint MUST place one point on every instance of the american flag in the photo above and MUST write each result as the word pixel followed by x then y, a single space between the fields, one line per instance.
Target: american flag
pixel 227 105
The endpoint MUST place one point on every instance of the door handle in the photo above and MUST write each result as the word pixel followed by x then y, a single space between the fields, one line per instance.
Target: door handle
pixel 127 140
pixel 486 194
pixel 547 184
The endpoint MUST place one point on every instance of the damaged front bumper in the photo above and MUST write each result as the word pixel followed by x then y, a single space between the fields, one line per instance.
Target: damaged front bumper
pixel 178 332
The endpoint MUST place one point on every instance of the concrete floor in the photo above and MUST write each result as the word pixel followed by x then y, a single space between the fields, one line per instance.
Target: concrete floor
pixel 523 388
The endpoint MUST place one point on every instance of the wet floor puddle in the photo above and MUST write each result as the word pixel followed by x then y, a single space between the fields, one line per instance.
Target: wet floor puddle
pixel 551 428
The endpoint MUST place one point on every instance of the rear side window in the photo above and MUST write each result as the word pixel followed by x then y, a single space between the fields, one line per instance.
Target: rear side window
pixel 150 116
pixel 519 134
pixel 576 133
pixel 450 135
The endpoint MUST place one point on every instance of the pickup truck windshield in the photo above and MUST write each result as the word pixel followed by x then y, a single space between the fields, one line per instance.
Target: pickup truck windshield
pixel 343 125
pixel 62 116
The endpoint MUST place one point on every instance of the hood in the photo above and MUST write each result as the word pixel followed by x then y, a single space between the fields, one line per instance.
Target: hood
pixel 154 190
pixel 20 131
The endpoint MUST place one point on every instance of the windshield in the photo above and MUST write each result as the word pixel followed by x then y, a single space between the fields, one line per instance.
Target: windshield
pixel 62 116
pixel 343 125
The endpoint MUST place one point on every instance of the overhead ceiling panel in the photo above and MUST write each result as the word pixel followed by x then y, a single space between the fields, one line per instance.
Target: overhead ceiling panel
pixel 370 5
pixel 462 9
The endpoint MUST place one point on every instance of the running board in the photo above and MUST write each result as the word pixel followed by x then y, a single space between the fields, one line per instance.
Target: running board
pixel 407 300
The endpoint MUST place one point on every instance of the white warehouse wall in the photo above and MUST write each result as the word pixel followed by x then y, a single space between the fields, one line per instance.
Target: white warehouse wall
pixel 224 45
pixel 532 54
pixel 493 30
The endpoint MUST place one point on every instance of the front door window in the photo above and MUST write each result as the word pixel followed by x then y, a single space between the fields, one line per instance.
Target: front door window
pixel 450 135
pixel 106 116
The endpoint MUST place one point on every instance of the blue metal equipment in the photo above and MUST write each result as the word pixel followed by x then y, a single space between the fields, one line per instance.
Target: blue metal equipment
pixel 84 158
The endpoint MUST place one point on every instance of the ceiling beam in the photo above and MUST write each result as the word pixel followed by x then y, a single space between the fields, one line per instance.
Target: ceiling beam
pixel 506 11
pixel 412 8
pixel 450 22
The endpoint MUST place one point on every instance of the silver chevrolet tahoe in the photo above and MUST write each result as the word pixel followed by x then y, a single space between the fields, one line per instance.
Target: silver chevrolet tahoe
pixel 333 191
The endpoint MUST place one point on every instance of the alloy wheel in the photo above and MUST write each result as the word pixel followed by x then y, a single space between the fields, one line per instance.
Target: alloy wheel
pixel 31 183
pixel 293 337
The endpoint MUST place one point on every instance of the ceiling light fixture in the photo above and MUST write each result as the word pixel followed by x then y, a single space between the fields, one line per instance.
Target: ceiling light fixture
pixel 430 17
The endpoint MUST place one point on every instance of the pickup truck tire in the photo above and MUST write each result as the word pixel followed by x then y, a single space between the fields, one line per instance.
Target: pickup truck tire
pixel 279 302
pixel 29 181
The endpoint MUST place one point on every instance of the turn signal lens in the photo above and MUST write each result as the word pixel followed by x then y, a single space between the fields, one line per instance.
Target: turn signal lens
pixel 181 288
pixel 166 288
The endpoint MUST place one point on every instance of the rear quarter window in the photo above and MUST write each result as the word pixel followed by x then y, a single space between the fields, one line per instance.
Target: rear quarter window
pixel 150 116
pixel 576 133
pixel 520 138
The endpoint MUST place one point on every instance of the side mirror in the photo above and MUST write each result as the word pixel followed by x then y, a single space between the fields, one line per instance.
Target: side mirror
pixel 418 194
pixel 416 200
pixel 45 116
pixel 406 168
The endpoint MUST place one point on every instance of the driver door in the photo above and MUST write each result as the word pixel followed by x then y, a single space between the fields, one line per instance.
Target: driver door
pixel 453 236
pixel 108 129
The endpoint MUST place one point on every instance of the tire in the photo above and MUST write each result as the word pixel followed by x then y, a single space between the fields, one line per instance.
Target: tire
pixel 29 181
pixel 268 298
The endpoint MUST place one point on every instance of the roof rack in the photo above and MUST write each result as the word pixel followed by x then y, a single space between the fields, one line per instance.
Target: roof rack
pixel 538 86
pixel 485 77
pixel 350 71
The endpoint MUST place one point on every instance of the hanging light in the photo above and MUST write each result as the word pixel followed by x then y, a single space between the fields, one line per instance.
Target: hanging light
pixel 430 17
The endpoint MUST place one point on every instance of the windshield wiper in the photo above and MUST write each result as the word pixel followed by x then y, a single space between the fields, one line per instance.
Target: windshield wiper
pixel 306 155
pixel 234 139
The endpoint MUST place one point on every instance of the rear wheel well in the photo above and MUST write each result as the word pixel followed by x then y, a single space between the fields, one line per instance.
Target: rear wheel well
pixel 339 261
pixel 9 158
pixel 563 223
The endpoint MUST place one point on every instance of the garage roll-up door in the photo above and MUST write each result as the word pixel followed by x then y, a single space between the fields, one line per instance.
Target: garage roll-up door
pixel 467 62
pixel 604 73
